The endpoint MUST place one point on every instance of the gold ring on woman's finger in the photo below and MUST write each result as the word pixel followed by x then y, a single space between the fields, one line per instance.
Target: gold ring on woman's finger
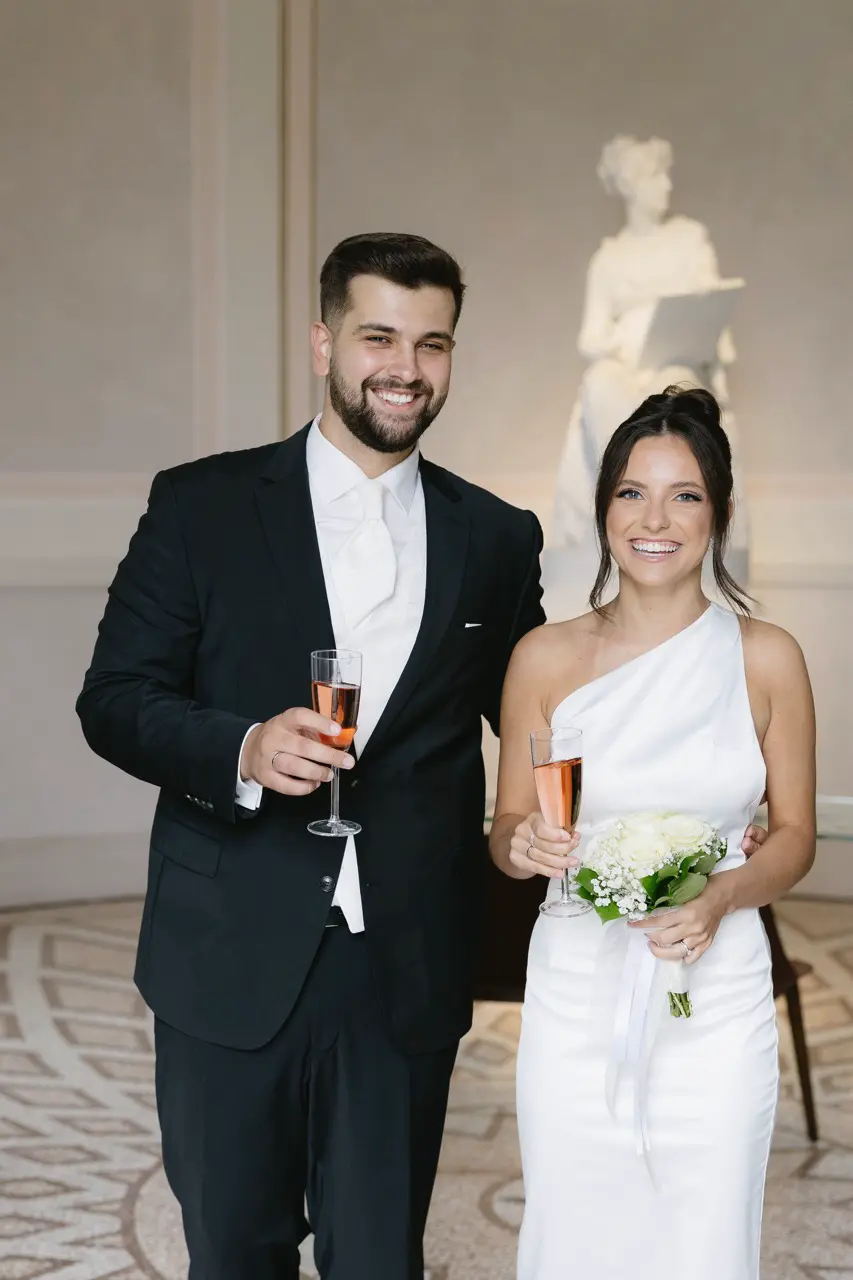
pixel 688 950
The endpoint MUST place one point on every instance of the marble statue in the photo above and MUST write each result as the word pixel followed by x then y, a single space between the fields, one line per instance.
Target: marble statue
pixel 652 256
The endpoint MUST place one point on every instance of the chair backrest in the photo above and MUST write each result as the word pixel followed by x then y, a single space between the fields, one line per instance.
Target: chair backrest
pixel 784 973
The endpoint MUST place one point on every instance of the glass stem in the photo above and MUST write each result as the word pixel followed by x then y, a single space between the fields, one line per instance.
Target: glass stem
pixel 567 883
pixel 335 816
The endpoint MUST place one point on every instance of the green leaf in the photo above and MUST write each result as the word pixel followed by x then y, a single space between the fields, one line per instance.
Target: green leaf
pixel 705 865
pixel 688 889
pixel 667 872
pixel 610 912
pixel 586 877
pixel 650 884
pixel 585 893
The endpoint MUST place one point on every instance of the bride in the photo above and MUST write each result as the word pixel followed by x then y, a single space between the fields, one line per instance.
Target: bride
pixel 688 707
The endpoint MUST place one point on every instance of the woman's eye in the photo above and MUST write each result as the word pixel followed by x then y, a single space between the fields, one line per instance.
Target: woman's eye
pixel 690 497
pixel 629 493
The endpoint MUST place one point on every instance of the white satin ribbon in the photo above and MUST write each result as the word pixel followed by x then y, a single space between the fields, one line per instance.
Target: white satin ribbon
pixel 635 1025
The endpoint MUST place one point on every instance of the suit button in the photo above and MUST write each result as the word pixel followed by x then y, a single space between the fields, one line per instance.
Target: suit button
pixel 327 884
pixel 353 783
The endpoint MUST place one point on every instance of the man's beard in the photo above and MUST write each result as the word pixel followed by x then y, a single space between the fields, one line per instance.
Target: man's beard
pixel 363 421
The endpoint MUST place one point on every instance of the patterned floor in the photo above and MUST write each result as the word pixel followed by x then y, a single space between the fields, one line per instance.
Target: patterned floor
pixel 82 1195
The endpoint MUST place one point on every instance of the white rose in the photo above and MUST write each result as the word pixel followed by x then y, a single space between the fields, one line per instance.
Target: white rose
pixel 646 824
pixel 641 850
pixel 684 832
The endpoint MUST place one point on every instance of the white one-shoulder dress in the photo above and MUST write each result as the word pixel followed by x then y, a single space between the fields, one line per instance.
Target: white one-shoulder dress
pixel 670 730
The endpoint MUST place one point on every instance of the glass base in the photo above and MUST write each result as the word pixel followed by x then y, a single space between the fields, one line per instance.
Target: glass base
pixel 565 910
pixel 329 828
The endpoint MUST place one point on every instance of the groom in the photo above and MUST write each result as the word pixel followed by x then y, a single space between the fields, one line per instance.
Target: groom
pixel 310 993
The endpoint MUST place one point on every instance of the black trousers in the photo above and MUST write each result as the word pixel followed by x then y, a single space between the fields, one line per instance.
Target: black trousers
pixel 329 1111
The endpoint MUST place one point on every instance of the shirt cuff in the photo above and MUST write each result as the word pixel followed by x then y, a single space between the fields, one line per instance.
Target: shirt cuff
pixel 247 794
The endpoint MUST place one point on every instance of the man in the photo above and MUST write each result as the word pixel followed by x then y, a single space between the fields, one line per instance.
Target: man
pixel 310 993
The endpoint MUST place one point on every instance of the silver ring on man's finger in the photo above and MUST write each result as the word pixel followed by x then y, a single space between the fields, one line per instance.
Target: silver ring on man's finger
pixel 529 847
pixel 275 756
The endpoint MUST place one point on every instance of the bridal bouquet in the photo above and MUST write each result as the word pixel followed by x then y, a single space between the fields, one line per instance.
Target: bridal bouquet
pixel 648 861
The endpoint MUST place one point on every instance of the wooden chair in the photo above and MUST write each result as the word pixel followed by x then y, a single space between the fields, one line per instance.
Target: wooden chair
pixel 511 910
pixel 786 976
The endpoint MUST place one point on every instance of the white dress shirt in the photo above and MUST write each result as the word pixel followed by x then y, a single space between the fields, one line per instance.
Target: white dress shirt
pixel 384 638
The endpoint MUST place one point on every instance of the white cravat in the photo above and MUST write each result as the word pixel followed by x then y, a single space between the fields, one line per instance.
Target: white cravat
pixel 384 636
pixel 365 569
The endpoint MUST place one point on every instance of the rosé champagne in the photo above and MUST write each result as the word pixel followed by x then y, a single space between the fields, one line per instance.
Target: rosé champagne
pixel 558 786
pixel 337 702
pixel 557 768
pixel 336 693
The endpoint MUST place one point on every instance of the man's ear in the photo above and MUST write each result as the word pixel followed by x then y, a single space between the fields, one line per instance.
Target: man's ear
pixel 321 346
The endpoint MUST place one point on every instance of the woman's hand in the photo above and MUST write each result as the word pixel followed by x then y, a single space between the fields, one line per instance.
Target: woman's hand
pixel 687 932
pixel 537 849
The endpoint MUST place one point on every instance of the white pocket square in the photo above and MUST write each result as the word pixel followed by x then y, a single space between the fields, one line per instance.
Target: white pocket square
pixel 472 624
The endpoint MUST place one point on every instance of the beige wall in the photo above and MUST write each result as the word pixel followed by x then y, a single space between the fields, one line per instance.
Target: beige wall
pixel 140 297
pixel 94 235
pixel 480 125
pixel 139 294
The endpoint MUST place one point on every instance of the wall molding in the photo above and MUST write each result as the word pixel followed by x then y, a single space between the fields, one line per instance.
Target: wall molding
pixel 300 394
pixel 86 868
pixel 803 576
pixel 38 870
pixel 70 529
pixel 67 529
pixel 801 525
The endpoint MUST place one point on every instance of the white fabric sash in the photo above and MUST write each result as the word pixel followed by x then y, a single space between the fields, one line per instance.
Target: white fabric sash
pixel 640 1003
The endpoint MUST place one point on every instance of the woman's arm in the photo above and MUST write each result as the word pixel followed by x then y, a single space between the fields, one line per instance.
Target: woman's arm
pixel 789 754
pixel 521 843
pixel 777 672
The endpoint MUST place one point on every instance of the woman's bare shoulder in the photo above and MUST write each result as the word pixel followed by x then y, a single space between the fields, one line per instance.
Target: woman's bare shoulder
pixel 554 639
pixel 556 655
pixel 771 653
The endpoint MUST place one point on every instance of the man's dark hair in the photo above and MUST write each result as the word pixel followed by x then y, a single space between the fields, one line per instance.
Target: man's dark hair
pixel 410 261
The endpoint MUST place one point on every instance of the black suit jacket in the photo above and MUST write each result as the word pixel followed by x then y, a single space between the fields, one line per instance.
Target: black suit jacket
pixel 209 626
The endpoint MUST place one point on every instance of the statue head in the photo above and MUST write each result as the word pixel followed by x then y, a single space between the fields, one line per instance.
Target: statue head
pixel 639 172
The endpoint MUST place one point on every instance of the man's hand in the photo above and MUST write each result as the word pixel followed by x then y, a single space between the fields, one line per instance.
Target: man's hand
pixel 286 755
pixel 753 839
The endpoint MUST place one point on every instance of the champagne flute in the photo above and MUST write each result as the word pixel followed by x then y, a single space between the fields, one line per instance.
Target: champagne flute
pixel 336 693
pixel 557 769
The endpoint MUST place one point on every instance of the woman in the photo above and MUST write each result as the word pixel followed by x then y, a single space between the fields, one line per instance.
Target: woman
pixel 689 707
pixel 652 256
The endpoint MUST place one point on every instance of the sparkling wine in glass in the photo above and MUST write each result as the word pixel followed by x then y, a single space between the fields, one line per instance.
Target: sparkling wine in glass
pixel 336 693
pixel 557 770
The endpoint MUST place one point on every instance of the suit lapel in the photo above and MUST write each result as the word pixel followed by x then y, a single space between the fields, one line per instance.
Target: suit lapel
pixel 284 505
pixel 447 534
